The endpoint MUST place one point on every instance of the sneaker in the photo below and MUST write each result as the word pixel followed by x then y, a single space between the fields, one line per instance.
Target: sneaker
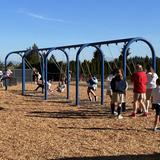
pixel 156 129
pixel 115 113
pixel 120 117
pixel 133 114
pixel 145 114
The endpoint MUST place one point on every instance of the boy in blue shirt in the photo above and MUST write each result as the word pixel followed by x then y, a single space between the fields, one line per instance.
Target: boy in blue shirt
pixel 118 86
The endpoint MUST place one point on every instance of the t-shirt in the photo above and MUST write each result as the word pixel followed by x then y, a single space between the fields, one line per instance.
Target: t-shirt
pixel 118 85
pixel 93 82
pixel 139 80
pixel 151 80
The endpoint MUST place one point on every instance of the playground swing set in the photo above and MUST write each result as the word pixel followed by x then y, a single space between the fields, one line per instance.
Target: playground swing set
pixel 44 53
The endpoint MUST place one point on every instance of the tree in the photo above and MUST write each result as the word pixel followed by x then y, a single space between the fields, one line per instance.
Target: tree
pixel 33 57
pixel 1 65
pixel 158 66
pixel 95 63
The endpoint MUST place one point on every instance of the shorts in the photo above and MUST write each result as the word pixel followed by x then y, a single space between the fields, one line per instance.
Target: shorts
pixel 157 108
pixel 148 94
pixel 91 88
pixel 139 96
pixel 117 97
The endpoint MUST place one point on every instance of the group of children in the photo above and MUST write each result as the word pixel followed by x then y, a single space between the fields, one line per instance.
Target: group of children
pixel 146 88
pixel 37 78
pixel 116 90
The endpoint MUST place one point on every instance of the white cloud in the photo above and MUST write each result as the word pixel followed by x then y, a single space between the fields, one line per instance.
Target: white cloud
pixel 41 17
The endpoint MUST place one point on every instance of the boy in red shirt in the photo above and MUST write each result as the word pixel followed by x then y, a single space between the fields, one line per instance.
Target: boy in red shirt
pixel 139 80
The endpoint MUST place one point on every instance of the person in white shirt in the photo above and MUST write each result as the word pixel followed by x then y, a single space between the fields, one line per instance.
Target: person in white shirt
pixel 61 86
pixel 7 75
pixel 151 84
pixel 36 75
pixel 156 103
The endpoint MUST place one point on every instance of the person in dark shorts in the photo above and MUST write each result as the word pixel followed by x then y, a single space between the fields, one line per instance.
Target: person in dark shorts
pixel 156 104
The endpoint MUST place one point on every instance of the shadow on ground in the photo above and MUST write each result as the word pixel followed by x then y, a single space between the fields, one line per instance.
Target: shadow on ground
pixel 81 113
pixel 155 156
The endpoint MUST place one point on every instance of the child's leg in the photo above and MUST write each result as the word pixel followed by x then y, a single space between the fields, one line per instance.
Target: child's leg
pixel 88 93
pixel 147 105
pixel 148 98
pixel 112 108
pixel 113 103
pixel 93 93
pixel 119 109
pixel 156 121
pixel 37 88
pixel 142 103
pixel 135 104
pixel 124 103
pixel 120 99
pixel 157 117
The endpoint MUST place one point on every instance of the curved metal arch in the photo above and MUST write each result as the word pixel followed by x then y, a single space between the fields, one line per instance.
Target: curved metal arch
pixel 46 71
pixel 127 47
pixel 5 63
pixel 77 71
pixel 24 67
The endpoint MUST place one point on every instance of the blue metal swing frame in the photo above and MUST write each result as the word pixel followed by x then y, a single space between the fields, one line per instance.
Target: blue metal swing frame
pixel 96 45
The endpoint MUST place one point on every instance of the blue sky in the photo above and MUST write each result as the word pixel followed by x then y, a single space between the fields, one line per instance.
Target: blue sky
pixel 50 23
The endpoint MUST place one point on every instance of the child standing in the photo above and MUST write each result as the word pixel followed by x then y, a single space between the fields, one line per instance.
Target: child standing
pixel 156 103
pixel 152 77
pixel 92 86
pixel 118 86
